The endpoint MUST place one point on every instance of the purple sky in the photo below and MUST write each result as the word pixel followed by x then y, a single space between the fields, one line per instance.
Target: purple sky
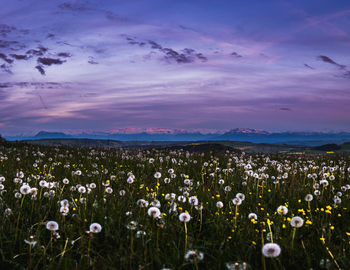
pixel 104 65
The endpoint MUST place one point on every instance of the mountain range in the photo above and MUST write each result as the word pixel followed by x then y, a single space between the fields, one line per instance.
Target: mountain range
pixel 236 134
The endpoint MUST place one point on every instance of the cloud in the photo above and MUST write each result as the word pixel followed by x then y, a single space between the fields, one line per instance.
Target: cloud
pixel 187 55
pixel 40 52
pixel 12 45
pixel 6 68
pixel 50 61
pixel 236 55
pixel 92 60
pixel 308 66
pixel 6 29
pixel 64 54
pixel 285 109
pixel 40 69
pixel 36 85
pixel 19 56
pixel 330 61
pixel 4 57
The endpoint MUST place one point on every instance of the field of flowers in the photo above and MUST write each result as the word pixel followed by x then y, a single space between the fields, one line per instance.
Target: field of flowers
pixel 85 208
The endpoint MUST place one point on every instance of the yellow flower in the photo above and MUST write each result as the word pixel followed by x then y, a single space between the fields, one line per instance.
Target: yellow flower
pixel 308 222
pixel 331 227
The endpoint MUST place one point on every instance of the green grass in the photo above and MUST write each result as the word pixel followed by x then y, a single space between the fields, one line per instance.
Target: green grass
pixel 223 235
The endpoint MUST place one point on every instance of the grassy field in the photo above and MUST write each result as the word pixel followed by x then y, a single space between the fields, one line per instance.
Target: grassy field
pixel 93 208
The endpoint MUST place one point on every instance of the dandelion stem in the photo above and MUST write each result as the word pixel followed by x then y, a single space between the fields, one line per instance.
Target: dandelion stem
pixel 294 230
pixel 185 235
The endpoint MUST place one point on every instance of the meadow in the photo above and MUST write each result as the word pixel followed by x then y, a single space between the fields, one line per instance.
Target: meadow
pixel 94 208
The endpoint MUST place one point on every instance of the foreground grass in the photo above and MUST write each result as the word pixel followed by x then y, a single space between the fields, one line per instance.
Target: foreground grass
pixel 76 187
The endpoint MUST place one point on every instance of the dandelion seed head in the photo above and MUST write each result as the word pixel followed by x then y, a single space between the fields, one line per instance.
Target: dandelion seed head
pixel 271 250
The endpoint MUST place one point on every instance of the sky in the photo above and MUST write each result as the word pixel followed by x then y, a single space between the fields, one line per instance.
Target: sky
pixel 99 65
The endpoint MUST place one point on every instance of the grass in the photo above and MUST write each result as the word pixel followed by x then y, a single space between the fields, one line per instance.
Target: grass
pixel 116 180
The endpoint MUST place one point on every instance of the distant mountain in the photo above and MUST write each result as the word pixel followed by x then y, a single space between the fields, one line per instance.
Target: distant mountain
pixel 51 135
pixel 246 131
pixel 236 134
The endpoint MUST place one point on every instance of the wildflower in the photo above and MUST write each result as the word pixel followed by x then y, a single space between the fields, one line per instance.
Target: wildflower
pixel 166 180
pixel 282 210
pixel 25 189
pixel 131 225
pixel 236 201
pixel 64 210
pixel 184 217
pixel 140 234
pixel 52 225
pixel 237 266
pixel 194 256
pixel 81 189
pixel 154 212
pixel 240 196
pixel 142 203
pixel 156 203
pixel 193 200
pixel 296 222
pixel 309 197
pixel 109 190
pixel 157 175
pixel 271 250
pixel 30 241
pixel 219 204
pixel 253 216
pixel 95 228
pixel 65 181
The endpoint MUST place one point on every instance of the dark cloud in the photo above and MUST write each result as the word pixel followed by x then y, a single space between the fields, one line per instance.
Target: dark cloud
pixel 92 61
pixel 6 68
pixel 201 57
pixel 330 61
pixel 155 45
pixel 64 54
pixel 40 69
pixel 12 45
pixel 19 56
pixel 50 61
pixel 4 57
pixel 134 42
pixel 236 55
pixel 6 29
pixel 187 28
pixel 39 52
pixel 73 7
pixel 185 56
pixel 346 75
pixel 308 66
pixel 36 85
pixel 285 109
